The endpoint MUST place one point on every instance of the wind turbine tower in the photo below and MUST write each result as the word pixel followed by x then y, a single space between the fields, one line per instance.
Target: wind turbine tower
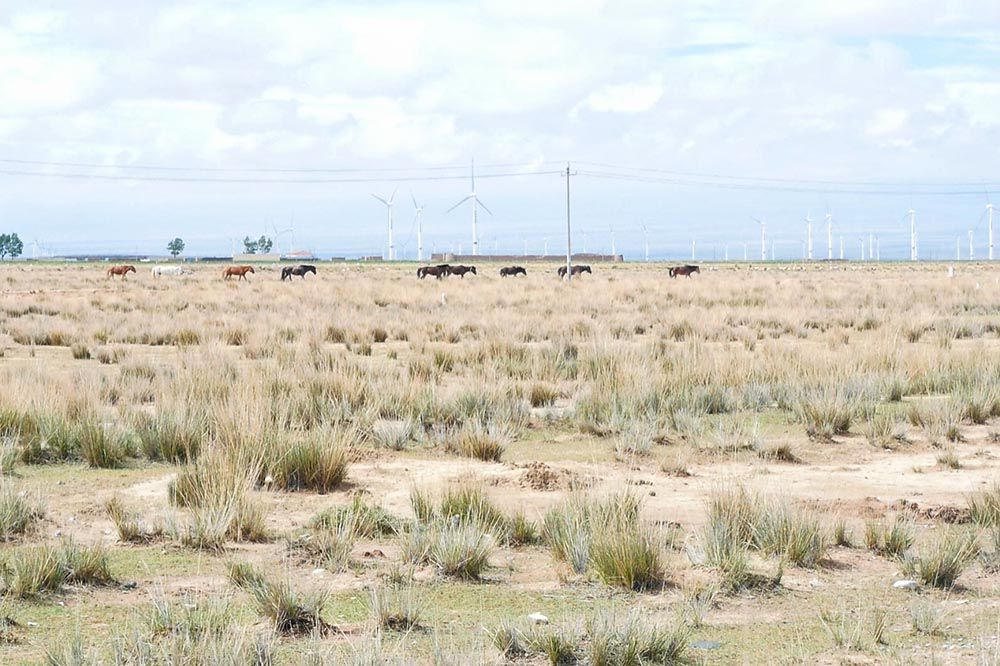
pixel 475 205
pixel 989 229
pixel 388 205
pixel 809 238
pixel 829 236
pixel 972 254
pixel 420 228
pixel 913 234
pixel 763 240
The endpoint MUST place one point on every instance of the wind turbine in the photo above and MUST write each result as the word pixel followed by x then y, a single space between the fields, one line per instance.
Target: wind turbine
pixel 809 237
pixel 388 206
pixel 290 231
pixel 972 254
pixel 645 241
pixel 475 204
pixel 613 253
pixel 913 234
pixel 829 235
pixel 763 243
pixel 989 224
pixel 420 229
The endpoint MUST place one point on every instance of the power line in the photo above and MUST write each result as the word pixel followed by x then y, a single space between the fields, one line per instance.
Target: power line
pixel 286 181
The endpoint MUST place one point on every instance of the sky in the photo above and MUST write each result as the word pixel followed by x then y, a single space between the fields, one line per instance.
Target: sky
pixel 123 125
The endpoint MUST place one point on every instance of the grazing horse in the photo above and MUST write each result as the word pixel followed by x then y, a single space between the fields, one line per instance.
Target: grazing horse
pixel 439 271
pixel 300 270
pixel 576 270
pixel 121 270
pixel 239 271
pixel 157 271
pixel 460 271
pixel 686 269
pixel 512 271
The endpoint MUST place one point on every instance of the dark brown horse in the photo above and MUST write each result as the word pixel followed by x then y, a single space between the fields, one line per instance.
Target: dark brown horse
pixel 512 271
pixel 686 269
pixel 300 271
pixel 439 271
pixel 121 270
pixel 460 271
pixel 576 270
pixel 239 271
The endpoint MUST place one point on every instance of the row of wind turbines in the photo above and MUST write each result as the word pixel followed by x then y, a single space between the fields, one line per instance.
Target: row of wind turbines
pixel 418 209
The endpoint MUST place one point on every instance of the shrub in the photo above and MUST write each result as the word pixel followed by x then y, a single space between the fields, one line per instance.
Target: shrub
pixel 357 518
pixel 392 435
pixel 615 638
pixel 80 351
pixel 174 437
pixel 475 440
pixel 28 572
pixel 629 558
pixel 984 506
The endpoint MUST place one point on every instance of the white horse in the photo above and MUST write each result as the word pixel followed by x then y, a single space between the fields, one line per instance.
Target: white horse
pixel 157 271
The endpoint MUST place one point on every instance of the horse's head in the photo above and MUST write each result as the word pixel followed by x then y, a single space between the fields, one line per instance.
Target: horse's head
pixel 251 270
pixel 130 269
pixel 311 269
pixel 585 269
pixel 472 269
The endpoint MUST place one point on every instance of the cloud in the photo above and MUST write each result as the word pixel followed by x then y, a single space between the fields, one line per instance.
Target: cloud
pixel 625 98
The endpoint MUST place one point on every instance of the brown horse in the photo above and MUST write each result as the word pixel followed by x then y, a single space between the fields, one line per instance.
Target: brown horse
pixel 686 269
pixel 460 271
pixel 239 271
pixel 439 271
pixel 577 270
pixel 513 271
pixel 122 270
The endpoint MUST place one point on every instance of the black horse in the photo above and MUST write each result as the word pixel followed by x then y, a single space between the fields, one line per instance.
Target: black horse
pixel 288 271
pixel 512 271
pixel 686 269
pixel 439 271
pixel 576 270
pixel 460 271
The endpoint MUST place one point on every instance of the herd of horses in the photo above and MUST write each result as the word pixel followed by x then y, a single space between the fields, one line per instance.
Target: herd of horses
pixel 438 271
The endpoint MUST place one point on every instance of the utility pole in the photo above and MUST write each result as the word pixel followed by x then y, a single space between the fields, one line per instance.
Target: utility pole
pixel 569 235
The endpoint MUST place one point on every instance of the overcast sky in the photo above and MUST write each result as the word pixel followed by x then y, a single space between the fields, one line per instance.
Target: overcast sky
pixel 895 98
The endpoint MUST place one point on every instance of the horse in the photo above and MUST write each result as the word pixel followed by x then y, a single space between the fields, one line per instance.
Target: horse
pixel 460 271
pixel 686 269
pixel 121 270
pixel 439 271
pixel 239 271
pixel 300 270
pixel 576 270
pixel 157 271
pixel 512 271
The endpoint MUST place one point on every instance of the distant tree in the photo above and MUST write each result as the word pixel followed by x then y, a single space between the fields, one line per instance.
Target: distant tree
pixel 249 245
pixel 10 246
pixel 175 247
pixel 264 244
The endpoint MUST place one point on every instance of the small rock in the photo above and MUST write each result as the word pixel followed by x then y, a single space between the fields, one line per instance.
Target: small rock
pixel 318 572
pixel 706 645
pixel 130 585
pixel 107 531
pixel 538 618
pixel 815 583
pixel 905 585
pixel 32 624
pixel 58 533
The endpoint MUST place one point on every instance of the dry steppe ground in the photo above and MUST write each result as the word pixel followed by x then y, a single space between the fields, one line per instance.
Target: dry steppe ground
pixel 363 467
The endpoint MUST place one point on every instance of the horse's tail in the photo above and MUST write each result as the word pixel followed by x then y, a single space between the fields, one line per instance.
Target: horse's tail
pixel 671 272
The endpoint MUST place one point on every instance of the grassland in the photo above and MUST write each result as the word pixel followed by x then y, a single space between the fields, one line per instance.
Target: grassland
pixel 368 468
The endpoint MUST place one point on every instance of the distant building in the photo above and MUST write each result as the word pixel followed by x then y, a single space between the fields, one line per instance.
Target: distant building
pixel 256 258
pixel 299 255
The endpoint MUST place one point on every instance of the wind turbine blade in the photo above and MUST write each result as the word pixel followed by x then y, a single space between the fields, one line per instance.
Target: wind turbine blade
pixel 484 206
pixel 381 199
pixel 458 204
pixel 414 200
pixel 393 196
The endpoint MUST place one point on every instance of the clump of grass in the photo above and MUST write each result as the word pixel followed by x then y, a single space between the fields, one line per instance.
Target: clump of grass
pixel 859 629
pixel 174 437
pixel 475 440
pixel 461 550
pixel 395 609
pixel 80 351
pixel 522 531
pixel 130 525
pixel 542 395
pixel 940 562
pixel 635 440
pixel 826 414
pixel 313 463
pixel 794 535
pixel 392 435
pixel 327 548
pixel 891 540
pixel 104 447
pixel 18 511
pixel 949 458
pixel 629 638
pixel 422 504
pixel 291 611
pixel 29 572
pixel 358 518
pixel 927 618
pixel 631 558
pixel 841 534
pixel 984 506
pixel 8 455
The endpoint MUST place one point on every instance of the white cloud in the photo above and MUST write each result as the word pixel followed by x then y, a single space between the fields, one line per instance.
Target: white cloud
pixel 625 97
